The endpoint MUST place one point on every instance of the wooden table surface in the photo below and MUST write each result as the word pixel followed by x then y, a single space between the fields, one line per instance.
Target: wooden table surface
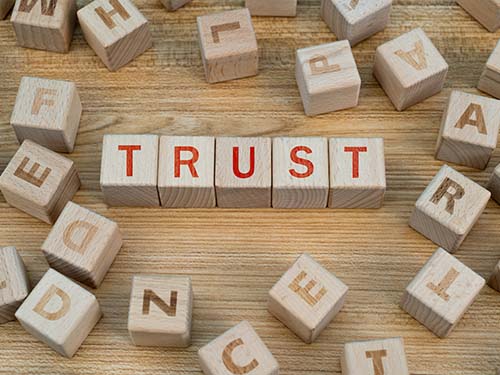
pixel 235 256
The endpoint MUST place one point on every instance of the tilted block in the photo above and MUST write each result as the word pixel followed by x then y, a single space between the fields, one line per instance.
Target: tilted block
pixel 494 280
pixel 489 82
pixel 5 7
pixel 276 8
pixel 172 5
pixel 494 184
pixel 486 12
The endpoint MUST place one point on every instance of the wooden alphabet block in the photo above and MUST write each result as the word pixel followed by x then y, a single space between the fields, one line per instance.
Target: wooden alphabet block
pixel 469 130
pixel 116 30
pixel 357 173
pixel 160 311
pixel 300 172
pixel 327 77
pixel 448 208
pixel 172 5
pixel 243 172
pixel 356 20
pixel 129 170
pixel 276 8
pixel 486 12
pixel 228 45
pixel 47 112
pixel 494 281
pixel 186 172
pixel 490 78
pixel 494 184
pixel 441 293
pixel 5 7
pixel 410 69
pixel 14 283
pixel 379 357
pixel 39 182
pixel 82 245
pixel 44 25
pixel 238 351
pixel 59 313
pixel 307 298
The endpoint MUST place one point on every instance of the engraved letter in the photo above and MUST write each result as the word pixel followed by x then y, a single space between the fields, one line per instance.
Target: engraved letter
pixel 319 65
pixel 30 176
pixel 236 163
pixel 130 156
pixel 178 162
pixel 150 296
pixel 355 158
pixel 305 293
pixel 229 363
pixel 217 29
pixel 41 99
pixel 47 9
pixel 376 356
pixel 466 119
pixel 69 233
pixel 47 297
pixel 443 192
pixel 107 16
pixel 444 285
pixel 298 160
pixel 415 57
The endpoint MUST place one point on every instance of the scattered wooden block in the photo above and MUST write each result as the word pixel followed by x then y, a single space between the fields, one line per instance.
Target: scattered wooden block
pixel 356 20
pixel 160 311
pixel 276 8
pixel 5 7
pixel 490 78
pixel 173 5
pixel 448 208
pixel 14 283
pixel 238 351
pixel 410 69
pixel 228 45
pixel 44 25
pixel 327 77
pixel 39 182
pixel 129 170
pixel 47 112
pixel 486 12
pixel 59 313
pixel 116 30
pixel 494 184
pixel 307 298
pixel 441 293
pixel 243 172
pixel 494 281
pixel 186 172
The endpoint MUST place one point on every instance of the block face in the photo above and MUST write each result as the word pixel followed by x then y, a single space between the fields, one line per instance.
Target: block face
pixel 490 78
pixel 448 208
pixel 486 12
pixel 276 8
pixel 307 298
pixel 5 7
pixel 441 293
pixel 228 45
pixel 161 311
pixel 494 184
pixel 327 77
pixel 172 5
pixel 494 280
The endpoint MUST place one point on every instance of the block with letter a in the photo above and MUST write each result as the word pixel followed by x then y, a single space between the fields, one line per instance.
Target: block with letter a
pixel 59 313
pixel 307 298
pixel 5 7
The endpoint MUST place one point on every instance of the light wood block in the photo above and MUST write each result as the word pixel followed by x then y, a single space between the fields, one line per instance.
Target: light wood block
pixel 160 311
pixel 14 283
pixel 243 172
pixel 441 293
pixel 116 30
pixel 45 25
pixel 448 208
pixel 129 170
pixel 238 351
pixel 327 77
pixel 228 45
pixel 276 8
pixel 356 20
pixel 410 69
pixel 486 12
pixel 357 173
pixel 173 5
pixel 494 280
pixel 47 112
pixel 59 313
pixel 5 7
pixel 489 82
pixel 39 182
pixel 82 245
pixel 307 298
pixel 494 184
pixel 186 172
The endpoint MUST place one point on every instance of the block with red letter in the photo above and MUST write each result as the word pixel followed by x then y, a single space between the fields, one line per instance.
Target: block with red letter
pixel 129 170
pixel 186 172
pixel 490 78
pixel 448 208
pixel 494 280
pixel 5 7
pixel 307 298
pixel 276 8
pixel 300 172
pixel 243 172
pixel 172 5
pixel 39 181
pixel 238 351
pixel 486 12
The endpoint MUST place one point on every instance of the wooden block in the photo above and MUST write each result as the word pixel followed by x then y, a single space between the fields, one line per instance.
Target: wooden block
pixel 441 293
pixel 448 208
pixel 172 5
pixel 238 351
pixel 5 7
pixel 228 45
pixel 14 283
pixel 494 280
pixel 160 311
pixel 59 313
pixel 486 12
pixel 410 69
pixel 82 245
pixel 357 173
pixel 186 172
pixel 116 30
pixel 307 298
pixel 494 184
pixel 276 8
pixel 327 77
pixel 243 172
pixel 356 20
pixel 47 112
pixel 44 25
pixel 129 170
pixel 300 172
pixel 379 357
pixel 490 78
pixel 39 182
